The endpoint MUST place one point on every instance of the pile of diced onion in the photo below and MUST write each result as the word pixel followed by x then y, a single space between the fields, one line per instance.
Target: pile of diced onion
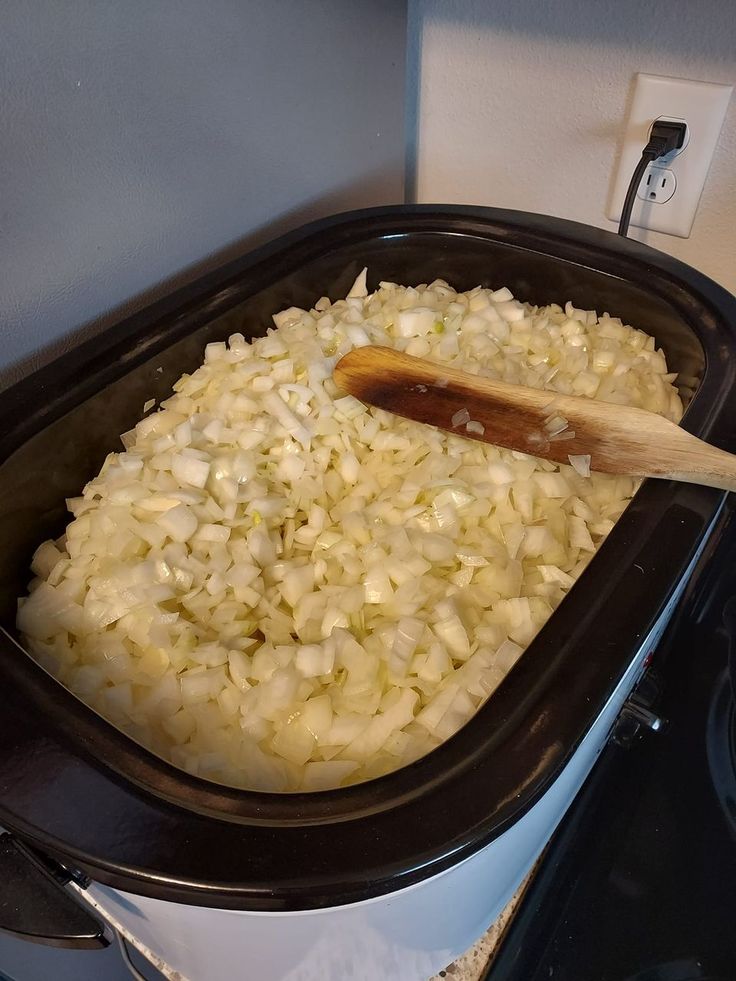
pixel 277 587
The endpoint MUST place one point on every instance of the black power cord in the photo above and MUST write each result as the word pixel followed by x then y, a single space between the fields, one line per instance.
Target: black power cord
pixel 665 137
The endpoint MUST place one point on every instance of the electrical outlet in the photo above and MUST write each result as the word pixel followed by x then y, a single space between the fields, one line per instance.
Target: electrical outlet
pixel 657 185
pixel 702 105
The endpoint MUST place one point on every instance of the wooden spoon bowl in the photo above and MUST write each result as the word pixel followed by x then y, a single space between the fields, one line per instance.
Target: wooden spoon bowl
pixel 618 439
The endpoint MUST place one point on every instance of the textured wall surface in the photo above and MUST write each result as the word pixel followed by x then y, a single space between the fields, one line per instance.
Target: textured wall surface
pixel 140 139
pixel 523 105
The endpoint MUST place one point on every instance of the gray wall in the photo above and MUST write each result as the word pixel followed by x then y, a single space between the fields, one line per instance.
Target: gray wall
pixel 140 140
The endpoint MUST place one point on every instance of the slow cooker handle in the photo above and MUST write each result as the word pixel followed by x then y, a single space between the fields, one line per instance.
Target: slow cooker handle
pixel 35 906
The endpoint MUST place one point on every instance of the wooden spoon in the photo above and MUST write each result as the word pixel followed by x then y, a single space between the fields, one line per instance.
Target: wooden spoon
pixel 618 439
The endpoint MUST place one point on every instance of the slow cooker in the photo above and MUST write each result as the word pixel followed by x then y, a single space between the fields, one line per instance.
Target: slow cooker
pixel 395 877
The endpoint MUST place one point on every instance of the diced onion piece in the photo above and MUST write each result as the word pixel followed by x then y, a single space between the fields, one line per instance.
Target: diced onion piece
pixel 189 470
pixel 555 425
pixel 325 774
pixel 179 523
pixel 415 322
pixel 45 559
pixel 313 660
pixel 581 463
pixel 359 287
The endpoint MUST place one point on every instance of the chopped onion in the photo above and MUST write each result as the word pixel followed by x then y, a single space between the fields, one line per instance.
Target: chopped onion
pixel 554 425
pixel 179 523
pixel 359 287
pixel 581 463
pixel 313 660
pixel 190 470
pixel 280 588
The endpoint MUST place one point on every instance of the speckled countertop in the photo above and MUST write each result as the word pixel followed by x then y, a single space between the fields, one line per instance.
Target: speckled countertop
pixel 472 964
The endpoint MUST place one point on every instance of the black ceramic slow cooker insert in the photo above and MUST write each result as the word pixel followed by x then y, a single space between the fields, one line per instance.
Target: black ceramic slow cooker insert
pixel 79 790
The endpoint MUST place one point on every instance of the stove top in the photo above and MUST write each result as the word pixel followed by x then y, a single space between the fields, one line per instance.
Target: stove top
pixel 639 882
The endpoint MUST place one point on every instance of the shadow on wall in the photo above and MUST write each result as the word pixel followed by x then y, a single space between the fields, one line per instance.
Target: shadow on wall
pixel 657 28
pixel 652 25
pixel 522 105
pixel 363 194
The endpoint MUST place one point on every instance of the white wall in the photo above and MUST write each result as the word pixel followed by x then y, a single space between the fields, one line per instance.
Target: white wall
pixel 522 104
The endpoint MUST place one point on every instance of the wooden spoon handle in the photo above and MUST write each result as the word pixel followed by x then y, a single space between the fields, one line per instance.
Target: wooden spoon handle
pixel 619 439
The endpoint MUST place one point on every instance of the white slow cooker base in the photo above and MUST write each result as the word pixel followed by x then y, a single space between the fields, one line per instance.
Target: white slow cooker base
pixel 407 935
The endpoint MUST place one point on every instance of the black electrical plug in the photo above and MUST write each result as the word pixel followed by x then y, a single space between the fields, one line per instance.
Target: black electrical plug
pixel 665 137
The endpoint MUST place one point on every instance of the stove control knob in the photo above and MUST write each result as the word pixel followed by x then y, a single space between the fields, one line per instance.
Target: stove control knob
pixel 634 716
pixel 642 715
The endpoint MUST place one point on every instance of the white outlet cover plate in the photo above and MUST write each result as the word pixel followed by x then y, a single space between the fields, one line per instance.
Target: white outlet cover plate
pixel 703 106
